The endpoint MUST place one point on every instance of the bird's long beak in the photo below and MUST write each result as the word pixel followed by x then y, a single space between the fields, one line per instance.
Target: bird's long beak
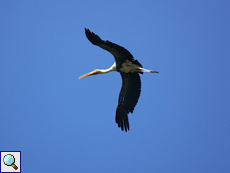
pixel 89 74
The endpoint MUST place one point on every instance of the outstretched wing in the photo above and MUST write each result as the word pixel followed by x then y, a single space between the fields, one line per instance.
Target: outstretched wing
pixel 128 98
pixel 119 53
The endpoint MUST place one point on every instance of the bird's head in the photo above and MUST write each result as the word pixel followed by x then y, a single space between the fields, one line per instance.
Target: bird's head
pixel 96 71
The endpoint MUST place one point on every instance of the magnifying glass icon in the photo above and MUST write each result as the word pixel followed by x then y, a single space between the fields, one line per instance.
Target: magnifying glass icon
pixel 9 161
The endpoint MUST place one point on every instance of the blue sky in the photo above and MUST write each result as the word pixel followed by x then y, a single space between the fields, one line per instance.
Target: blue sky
pixel 62 124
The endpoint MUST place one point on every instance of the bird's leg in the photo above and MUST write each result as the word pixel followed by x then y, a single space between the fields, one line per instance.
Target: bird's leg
pixel 128 66
pixel 146 70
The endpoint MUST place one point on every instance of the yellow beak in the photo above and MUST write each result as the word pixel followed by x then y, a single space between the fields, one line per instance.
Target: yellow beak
pixel 89 74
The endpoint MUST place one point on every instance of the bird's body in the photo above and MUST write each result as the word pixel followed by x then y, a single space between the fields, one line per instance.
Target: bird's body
pixel 129 70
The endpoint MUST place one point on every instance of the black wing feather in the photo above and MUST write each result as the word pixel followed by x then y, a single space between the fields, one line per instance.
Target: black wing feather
pixel 119 52
pixel 128 98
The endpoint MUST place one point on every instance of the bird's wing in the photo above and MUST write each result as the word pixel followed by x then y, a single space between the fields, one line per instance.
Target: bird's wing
pixel 128 98
pixel 119 53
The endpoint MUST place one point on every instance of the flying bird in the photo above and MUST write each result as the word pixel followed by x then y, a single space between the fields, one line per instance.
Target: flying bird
pixel 129 70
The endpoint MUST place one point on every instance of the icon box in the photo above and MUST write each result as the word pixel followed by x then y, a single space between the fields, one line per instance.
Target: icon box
pixel 4 168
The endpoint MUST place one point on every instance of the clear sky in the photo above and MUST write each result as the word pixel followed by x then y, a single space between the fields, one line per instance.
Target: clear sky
pixel 62 124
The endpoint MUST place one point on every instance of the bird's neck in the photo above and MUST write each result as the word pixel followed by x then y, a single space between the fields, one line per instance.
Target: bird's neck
pixel 112 68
